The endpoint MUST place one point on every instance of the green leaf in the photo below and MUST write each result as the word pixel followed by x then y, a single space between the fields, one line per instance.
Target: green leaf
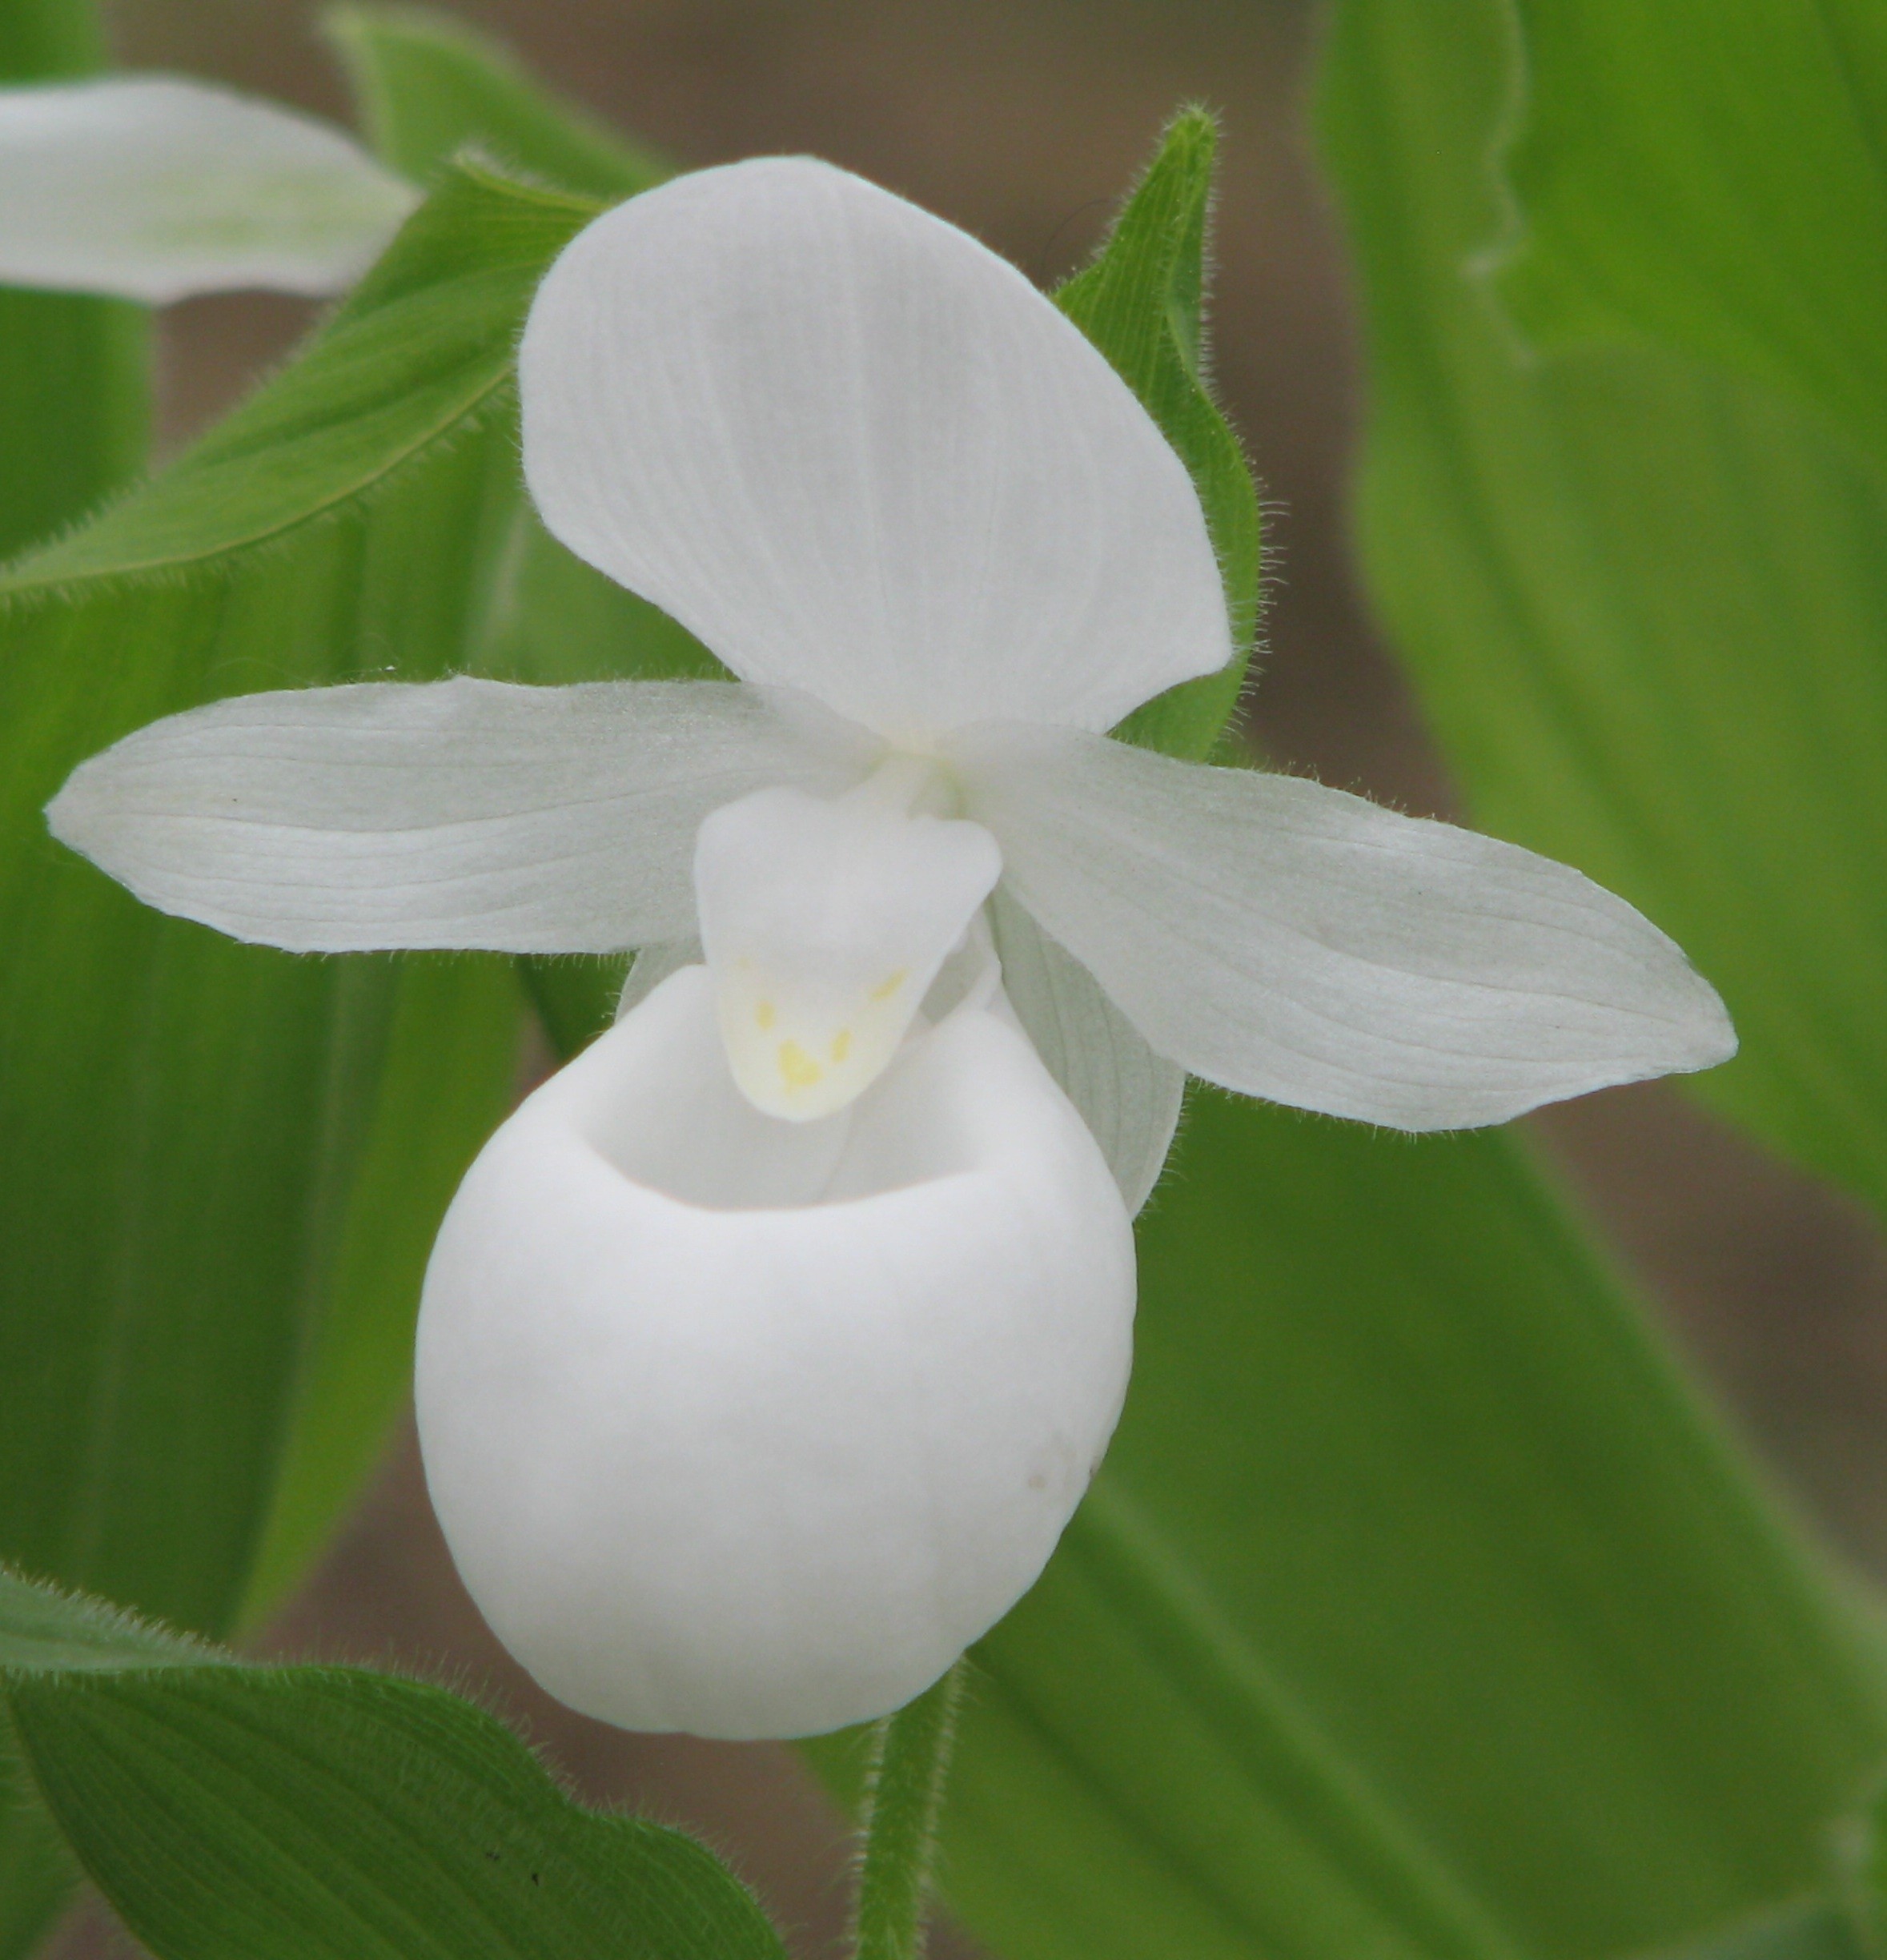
pixel 1643 600
pixel 74 416
pixel 427 86
pixel 48 40
pixel 1813 1929
pixel 419 357
pixel 1418 1609
pixel 1713 179
pixel 40 1628
pixel 575 998
pixel 215 1249
pixel 1860 1850
pixel 45 1631
pixel 328 1813
pixel 36 1871
pixel 1142 303
pixel 417 1090
pixel 73 406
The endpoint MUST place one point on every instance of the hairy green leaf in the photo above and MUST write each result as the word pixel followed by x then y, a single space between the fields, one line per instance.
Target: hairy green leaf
pixel 46 1631
pixel 1643 600
pixel 1713 179
pixel 1142 304
pixel 329 1813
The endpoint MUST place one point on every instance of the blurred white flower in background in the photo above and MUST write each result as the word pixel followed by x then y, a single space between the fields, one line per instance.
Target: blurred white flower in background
pixel 154 187
pixel 766 1350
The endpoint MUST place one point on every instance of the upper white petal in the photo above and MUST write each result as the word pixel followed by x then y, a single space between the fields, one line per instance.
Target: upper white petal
pixel 749 1427
pixel 151 187
pixel 453 814
pixel 1292 942
pixel 1128 1096
pixel 856 452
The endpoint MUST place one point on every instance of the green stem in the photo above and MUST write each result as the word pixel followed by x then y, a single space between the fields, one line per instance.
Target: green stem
pixel 903 1800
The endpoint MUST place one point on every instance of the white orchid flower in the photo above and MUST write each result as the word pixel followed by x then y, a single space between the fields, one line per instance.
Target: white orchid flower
pixel 155 188
pixel 766 1350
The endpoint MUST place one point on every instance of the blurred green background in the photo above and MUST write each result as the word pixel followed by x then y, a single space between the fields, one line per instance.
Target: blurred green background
pixel 1022 121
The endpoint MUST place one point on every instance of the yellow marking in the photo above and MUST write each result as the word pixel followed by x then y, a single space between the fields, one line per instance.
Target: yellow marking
pixel 890 985
pixel 841 1045
pixel 763 1016
pixel 797 1069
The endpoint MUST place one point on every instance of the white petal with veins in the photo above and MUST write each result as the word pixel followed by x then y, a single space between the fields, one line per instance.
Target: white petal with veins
pixel 450 814
pixel 151 187
pixel 1295 942
pixel 856 452
pixel 1128 1096
pixel 749 1427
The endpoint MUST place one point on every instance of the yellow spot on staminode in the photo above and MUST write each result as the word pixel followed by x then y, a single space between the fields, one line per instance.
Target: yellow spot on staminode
pixel 763 1016
pixel 841 1045
pixel 798 1068
pixel 890 985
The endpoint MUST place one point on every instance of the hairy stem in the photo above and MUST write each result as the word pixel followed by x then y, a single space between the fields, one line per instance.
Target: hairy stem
pixel 903 1800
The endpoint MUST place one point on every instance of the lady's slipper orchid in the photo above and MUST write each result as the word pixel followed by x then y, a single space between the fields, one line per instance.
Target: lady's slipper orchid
pixel 153 187
pixel 766 1350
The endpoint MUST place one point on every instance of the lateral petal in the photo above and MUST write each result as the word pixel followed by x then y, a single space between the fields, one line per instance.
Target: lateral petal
pixel 1129 1097
pixel 153 187
pixel 856 452
pixel 457 812
pixel 747 1427
pixel 1294 942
